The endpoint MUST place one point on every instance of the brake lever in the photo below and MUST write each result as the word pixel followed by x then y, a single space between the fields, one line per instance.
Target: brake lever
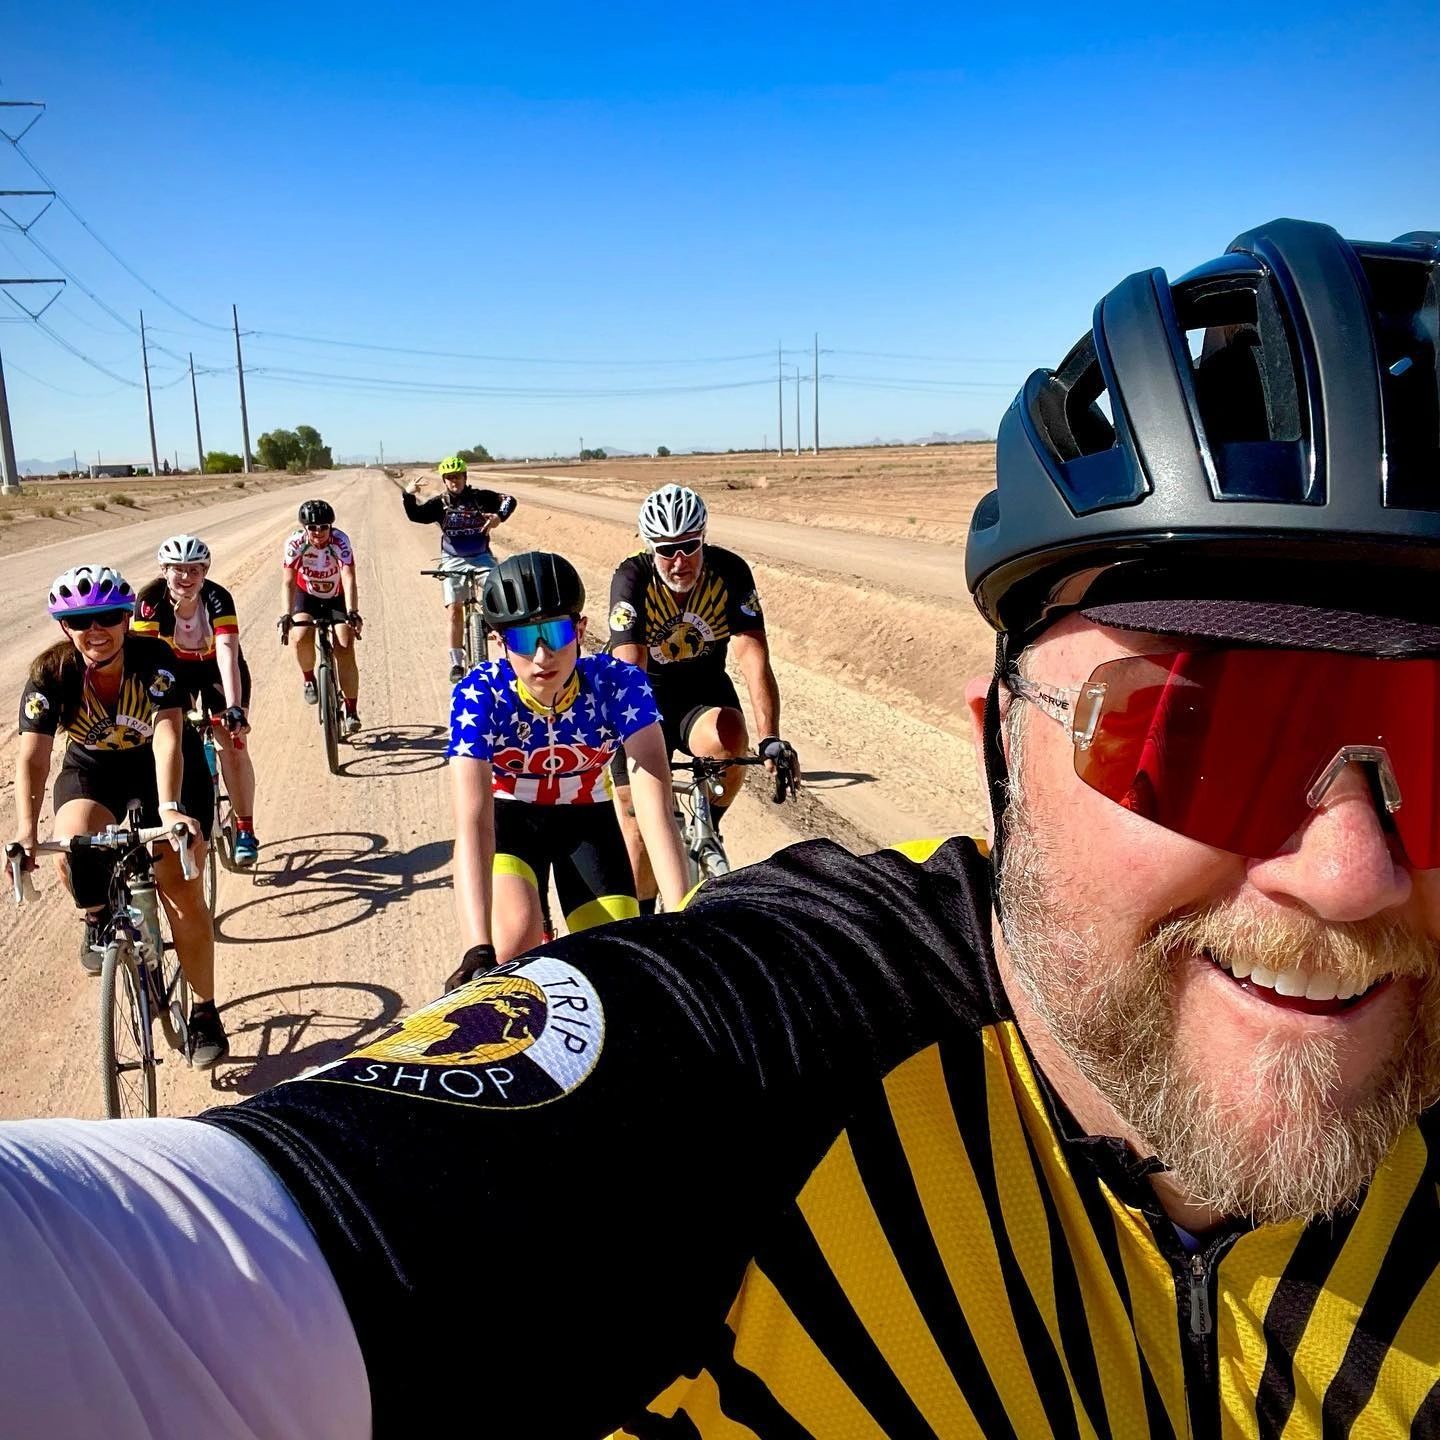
pixel 180 838
pixel 24 885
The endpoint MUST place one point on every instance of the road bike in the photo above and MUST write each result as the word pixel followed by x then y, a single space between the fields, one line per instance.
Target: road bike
pixel 469 582
pixel 140 975
pixel 705 856
pixel 222 839
pixel 327 680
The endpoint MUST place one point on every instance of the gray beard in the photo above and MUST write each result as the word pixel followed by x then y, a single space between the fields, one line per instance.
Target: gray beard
pixel 1315 1150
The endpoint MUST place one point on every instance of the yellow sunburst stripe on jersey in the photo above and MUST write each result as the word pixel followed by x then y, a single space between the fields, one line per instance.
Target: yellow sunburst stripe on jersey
pixel 600 911
pixel 950 1196
pixel 1352 1278
pixel 1107 1324
pixel 921 850
pixel 144 627
pixel 778 1348
pixel 1409 1371
pixel 837 1207
pixel 1022 1208
pixel 699 1400
pixel 513 865
pixel 1252 1274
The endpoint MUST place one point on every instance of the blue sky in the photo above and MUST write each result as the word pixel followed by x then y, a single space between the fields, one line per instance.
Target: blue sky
pixel 614 202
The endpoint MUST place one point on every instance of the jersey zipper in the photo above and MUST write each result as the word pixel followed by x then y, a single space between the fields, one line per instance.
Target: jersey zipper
pixel 1197 1287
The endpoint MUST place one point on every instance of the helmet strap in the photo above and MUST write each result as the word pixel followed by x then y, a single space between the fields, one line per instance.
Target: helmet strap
pixel 997 775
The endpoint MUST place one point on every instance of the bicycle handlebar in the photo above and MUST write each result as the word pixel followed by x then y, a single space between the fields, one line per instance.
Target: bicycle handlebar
pixel 112 837
pixel 704 767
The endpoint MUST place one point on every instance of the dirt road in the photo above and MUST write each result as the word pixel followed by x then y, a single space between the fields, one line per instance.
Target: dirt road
pixel 349 918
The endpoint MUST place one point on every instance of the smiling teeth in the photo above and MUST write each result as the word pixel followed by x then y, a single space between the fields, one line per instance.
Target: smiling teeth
pixel 1293 983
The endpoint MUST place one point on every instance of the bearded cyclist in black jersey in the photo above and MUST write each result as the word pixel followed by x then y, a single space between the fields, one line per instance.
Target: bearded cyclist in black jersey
pixel 1127 1127
pixel 466 516
pixel 676 609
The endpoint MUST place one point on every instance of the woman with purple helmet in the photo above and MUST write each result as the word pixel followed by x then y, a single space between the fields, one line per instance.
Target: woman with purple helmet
pixel 115 697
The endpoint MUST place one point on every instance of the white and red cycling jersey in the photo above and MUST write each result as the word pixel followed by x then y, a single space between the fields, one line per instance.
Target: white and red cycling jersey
pixel 317 567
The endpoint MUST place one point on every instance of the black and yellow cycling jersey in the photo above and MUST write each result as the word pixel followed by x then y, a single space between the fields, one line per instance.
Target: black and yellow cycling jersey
pixel 192 641
pixel 685 633
pixel 781 1166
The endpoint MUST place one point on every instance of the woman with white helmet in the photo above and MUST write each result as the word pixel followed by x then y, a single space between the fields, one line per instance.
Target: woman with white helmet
pixel 196 618
pixel 116 697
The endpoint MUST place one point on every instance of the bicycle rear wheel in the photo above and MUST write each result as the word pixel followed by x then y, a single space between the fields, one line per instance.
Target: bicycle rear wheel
pixel 127 1062
pixel 329 712
pixel 212 877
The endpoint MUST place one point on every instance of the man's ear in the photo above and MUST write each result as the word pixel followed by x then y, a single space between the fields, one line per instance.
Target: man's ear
pixel 977 689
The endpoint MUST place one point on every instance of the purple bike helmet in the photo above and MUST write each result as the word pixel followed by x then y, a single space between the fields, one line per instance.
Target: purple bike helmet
pixel 88 588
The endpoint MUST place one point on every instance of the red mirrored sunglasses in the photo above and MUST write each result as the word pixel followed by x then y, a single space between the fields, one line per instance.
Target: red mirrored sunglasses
pixel 1236 748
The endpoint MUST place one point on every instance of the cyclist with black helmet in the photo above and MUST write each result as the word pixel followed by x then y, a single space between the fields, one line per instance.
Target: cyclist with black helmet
pixel 676 608
pixel 531 737
pixel 466 516
pixel 318 579
pixel 1128 1127
pixel 117 697
pixel 196 618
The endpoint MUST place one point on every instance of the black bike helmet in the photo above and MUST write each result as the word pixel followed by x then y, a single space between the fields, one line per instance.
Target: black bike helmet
pixel 535 585
pixel 1266 429
pixel 317 512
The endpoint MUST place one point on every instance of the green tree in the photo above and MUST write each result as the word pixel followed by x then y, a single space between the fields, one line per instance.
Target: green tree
pixel 475 455
pixel 222 462
pixel 277 448
pixel 314 452
pixel 662 451
pixel 593 455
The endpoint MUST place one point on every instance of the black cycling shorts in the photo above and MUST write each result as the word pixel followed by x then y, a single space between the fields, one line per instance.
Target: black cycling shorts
pixel 113 779
pixel 200 680
pixel 581 844
pixel 680 707
pixel 330 607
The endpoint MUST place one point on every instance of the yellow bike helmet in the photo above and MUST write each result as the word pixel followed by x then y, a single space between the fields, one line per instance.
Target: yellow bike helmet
pixel 452 465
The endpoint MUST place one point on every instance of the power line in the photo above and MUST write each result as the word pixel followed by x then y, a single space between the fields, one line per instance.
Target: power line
pixel 427 387
pixel 75 351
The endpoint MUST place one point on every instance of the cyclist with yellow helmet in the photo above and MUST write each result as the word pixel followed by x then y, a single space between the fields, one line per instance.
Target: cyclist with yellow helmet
pixel 466 517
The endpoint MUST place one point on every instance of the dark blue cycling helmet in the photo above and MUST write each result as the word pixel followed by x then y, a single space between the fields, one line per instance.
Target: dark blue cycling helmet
pixel 1265 430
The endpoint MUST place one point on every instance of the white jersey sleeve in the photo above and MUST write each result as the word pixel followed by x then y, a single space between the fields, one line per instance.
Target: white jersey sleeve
pixel 157 1281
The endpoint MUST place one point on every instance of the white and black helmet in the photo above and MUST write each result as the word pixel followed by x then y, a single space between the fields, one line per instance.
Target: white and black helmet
pixel 672 511
pixel 183 550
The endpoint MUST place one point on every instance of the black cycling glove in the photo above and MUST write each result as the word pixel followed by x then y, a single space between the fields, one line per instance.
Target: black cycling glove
pixel 477 958
pixel 234 718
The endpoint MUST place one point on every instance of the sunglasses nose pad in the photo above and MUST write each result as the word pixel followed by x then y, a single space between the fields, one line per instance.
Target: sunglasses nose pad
pixel 1382 775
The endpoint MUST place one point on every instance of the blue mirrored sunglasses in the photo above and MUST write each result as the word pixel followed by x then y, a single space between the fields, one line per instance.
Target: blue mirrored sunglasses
pixel 552 634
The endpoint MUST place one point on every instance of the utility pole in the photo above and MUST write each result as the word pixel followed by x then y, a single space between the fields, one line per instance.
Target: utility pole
pixel 780 396
pixel 797 412
pixel 149 408
pixel 9 466
pixel 382 454
pixel 199 444
pixel 244 415
pixel 816 436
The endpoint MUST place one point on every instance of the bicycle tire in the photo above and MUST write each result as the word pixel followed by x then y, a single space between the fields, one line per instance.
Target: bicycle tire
pixel 174 1000
pixel 329 713
pixel 127 1061
pixel 212 880
pixel 475 648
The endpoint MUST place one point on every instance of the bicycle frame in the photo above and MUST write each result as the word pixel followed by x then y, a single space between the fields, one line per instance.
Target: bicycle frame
pixel 140 976
pixel 474 634
pixel 705 855
pixel 327 681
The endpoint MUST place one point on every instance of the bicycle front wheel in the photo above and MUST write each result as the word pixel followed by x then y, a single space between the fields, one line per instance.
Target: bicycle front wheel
pixel 212 876
pixel 172 1003
pixel 475 652
pixel 329 714
pixel 127 1063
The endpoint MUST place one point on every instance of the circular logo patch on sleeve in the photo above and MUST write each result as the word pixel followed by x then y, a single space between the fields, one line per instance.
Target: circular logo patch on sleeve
pixel 515 1037
pixel 36 705
pixel 161 684
pixel 622 617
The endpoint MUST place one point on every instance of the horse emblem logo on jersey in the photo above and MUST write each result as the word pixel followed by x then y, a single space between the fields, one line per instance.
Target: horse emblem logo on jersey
pixel 750 605
pixel 161 683
pixel 517 1036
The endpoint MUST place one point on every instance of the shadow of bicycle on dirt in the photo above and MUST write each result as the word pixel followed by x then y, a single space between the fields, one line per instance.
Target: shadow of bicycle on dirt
pixel 390 751
pixel 835 779
pixel 313 885
pixel 277 1034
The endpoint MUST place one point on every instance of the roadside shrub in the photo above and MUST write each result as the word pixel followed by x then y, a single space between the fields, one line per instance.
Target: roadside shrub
pixel 49 512
pixel 100 504
pixel 296 467
pixel 72 509
pixel 222 462
pixel 124 501
pixel 237 484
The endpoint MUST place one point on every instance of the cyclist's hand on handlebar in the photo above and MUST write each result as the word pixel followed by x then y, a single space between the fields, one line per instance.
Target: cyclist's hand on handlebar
pixel 25 857
pixel 356 621
pixel 236 721
pixel 477 958
pixel 283 625
pixel 171 818
pixel 783 764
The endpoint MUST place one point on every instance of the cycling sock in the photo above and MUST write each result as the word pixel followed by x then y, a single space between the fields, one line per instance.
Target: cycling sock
pixel 350 705
pixel 457 657
pixel 244 822
pixel 308 676
pixel 647 907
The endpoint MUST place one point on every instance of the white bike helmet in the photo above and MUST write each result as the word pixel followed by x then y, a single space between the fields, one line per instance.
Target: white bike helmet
pixel 672 511
pixel 183 550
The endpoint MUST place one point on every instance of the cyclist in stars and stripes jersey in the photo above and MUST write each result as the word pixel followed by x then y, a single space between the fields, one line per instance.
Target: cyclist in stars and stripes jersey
pixel 531 740
pixel 1126 1125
